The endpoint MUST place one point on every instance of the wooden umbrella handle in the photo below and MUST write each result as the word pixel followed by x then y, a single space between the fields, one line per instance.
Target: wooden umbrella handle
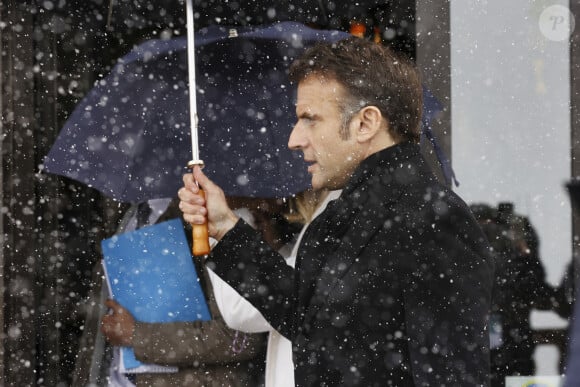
pixel 200 236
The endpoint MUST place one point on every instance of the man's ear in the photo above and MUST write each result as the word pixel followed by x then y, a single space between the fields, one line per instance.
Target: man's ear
pixel 370 122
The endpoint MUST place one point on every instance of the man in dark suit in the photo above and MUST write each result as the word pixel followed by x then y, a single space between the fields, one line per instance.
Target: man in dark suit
pixel 393 280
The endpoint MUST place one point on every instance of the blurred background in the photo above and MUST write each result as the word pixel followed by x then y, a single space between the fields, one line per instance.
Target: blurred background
pixel 505 74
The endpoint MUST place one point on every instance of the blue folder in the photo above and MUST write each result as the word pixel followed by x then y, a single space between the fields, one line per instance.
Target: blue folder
pixel 150 272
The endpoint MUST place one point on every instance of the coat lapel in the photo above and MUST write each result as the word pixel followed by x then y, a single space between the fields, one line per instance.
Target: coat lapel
pixel 349 229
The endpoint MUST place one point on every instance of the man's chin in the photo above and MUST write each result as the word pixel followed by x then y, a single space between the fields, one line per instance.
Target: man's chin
pixel 319 182
pixel 316 183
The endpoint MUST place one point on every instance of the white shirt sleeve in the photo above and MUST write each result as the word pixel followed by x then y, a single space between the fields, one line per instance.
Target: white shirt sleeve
pixel 237 312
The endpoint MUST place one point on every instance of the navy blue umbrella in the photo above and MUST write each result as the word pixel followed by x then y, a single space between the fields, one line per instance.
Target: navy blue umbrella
pixel 130 136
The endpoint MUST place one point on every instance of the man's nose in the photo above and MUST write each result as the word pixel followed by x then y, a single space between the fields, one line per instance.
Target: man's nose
pixel 296 140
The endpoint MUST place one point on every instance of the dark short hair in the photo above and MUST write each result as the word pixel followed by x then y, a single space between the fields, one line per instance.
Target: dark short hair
pixel 372 75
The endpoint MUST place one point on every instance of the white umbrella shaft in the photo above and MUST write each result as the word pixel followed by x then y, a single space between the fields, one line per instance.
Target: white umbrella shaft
pixel 191 74
pixel 199 231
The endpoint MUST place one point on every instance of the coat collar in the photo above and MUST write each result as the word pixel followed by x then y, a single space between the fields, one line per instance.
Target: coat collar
pixel 386 160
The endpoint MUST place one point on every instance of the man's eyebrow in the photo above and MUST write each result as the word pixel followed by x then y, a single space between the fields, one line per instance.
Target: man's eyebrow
pixel 307 114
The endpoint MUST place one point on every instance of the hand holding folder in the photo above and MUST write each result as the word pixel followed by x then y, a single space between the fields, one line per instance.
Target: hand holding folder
pixel 118 325
pixel 151 273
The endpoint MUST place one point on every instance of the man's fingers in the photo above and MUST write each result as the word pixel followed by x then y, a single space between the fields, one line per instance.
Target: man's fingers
pixel 197 177
pixel 197 217
pixel 192 205
pixel 190 192
pixel 189 183
pixel 186 195
pixel 211 209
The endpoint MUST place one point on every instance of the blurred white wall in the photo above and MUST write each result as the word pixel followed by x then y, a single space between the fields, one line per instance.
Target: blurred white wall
pixel 511 117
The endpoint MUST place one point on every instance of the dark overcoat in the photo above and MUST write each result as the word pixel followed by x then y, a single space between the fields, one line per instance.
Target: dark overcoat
pixel 392 284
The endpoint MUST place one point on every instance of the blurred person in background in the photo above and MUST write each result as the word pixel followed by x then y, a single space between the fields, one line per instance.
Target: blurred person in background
pixel 206 353
pixel 519 286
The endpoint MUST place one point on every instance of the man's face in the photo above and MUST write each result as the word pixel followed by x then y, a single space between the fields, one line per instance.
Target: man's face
pixel 332 159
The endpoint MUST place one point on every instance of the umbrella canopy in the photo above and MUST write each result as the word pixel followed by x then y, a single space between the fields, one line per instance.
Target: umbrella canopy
pixel 143 14
pixel 129 137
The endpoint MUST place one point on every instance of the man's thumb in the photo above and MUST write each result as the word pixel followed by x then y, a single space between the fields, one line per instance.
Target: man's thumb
pixel 204 182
